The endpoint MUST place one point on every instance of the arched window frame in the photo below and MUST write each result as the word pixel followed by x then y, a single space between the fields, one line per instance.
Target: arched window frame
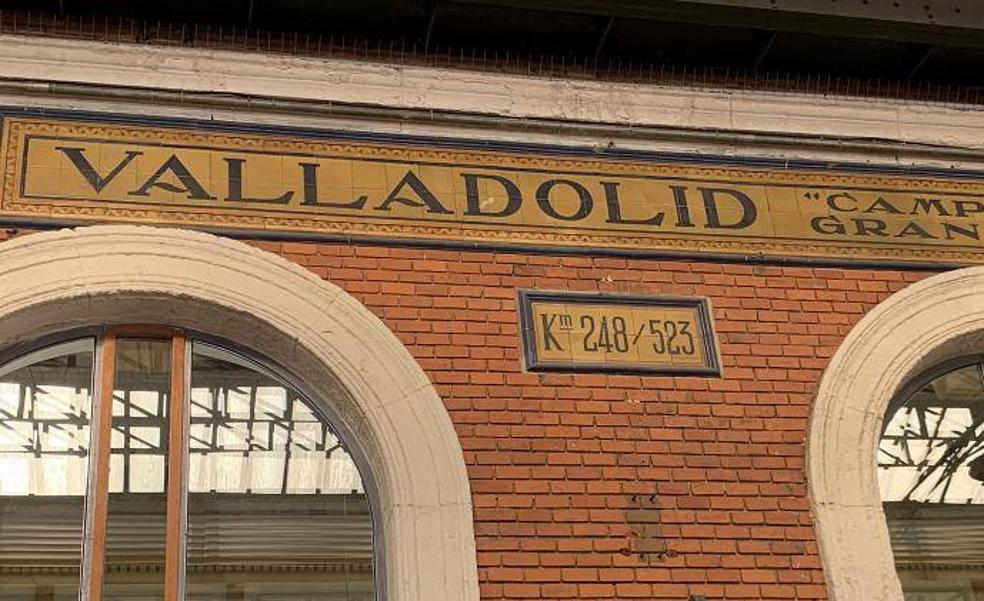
pixel 101 401
pixel 912 520
pixel 923 325
pixel 132 274
pixel 923 379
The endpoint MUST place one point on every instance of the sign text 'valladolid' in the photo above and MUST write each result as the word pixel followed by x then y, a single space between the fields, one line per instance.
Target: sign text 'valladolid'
pixel 79 172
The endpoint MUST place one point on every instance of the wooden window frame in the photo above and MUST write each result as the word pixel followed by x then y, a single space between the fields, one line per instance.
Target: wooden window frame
pixel 104 375
pixel 105 346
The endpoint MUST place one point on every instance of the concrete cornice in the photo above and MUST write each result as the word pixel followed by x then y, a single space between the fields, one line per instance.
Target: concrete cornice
pixel 422 92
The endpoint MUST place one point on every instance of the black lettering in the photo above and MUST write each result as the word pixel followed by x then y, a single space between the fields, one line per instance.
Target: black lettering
pixel 588 322
pixel 310 177
pixel 424 196
pixel 685 330
pixel 585 202
pixel 192 188
pixel 965 207
pixel 914 229
pixel 549 340
pixel 748 210
pixel 864 227
pixel 671 337
pixel 77 156
pixel 834 198
pixel 615 209
pixel 969 232
pixel 682 208
pixel 619 334
pixel 882 206
pixel 924 204
pixel 514 198
pixel 235 170
pixel 659 340
pixel 604 337
pixel 827 224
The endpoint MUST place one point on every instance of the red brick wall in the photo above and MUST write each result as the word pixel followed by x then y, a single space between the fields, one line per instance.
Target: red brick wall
pixel 614 486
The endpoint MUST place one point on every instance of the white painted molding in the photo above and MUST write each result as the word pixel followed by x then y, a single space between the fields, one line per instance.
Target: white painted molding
pixel 346 358
pixel 197 70
pixel 924 324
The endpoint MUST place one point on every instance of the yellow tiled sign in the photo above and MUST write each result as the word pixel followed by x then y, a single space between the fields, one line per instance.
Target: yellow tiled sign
pixel 568 331
pixel 74 171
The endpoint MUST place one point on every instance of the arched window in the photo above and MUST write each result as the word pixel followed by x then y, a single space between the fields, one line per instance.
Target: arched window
pixel 931 476
pixel 148 463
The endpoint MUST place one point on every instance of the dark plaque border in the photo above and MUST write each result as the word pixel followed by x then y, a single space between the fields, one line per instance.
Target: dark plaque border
pixel 711 367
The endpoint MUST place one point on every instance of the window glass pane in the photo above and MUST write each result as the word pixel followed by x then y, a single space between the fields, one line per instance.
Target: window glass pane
pixel 135 530
pixel 931 475
pixel 45 408
pixel 276 508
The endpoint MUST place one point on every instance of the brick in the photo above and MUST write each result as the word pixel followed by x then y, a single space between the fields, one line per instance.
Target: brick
pixel 605 486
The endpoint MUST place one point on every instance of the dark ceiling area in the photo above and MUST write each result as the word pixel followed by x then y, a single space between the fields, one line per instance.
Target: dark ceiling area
pixel 927 49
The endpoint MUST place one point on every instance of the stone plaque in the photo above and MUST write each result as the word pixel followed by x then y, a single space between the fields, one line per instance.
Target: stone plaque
pixel 594 332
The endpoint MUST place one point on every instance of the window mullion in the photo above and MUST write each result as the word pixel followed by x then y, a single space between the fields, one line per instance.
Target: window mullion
pixel 174 562
pixel 98 489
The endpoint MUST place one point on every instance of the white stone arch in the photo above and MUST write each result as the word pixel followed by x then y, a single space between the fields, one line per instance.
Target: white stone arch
pixel 337 349
pixel 936 319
